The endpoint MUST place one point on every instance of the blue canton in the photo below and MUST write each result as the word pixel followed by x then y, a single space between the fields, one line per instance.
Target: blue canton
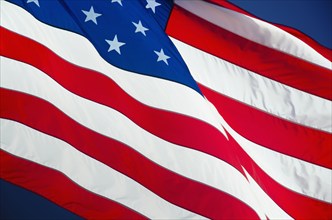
pixel 129 34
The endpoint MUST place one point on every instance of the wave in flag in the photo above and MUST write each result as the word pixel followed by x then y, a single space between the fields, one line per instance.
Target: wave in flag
pixel 155 109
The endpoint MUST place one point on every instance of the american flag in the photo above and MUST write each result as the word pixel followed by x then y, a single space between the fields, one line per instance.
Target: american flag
pixel 164 110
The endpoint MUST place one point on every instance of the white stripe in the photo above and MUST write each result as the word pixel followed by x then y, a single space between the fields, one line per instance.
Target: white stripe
pixel 255 30
pixel 298 175
pixel 255 90
pixel 189 163
pixel 87 172
pixel 78 50
pixel 274 211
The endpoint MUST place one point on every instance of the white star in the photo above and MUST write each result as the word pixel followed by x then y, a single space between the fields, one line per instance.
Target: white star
pixel 162 56
pixel 91 15
pixel 115 44
pixel 140 28
pixel 118 1
pixel 34 1
pixel 152 4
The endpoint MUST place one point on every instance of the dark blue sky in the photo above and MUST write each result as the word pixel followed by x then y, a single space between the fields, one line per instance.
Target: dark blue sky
pixel 312 17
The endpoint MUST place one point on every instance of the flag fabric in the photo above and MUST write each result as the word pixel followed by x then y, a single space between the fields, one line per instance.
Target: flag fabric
pixel 136 109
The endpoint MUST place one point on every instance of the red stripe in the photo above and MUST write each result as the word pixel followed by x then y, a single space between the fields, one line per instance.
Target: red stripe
pixel 272 132
pixel 191 195
pixel 324 51
pixel 56 187
pixel 260 59
pixel 296 205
